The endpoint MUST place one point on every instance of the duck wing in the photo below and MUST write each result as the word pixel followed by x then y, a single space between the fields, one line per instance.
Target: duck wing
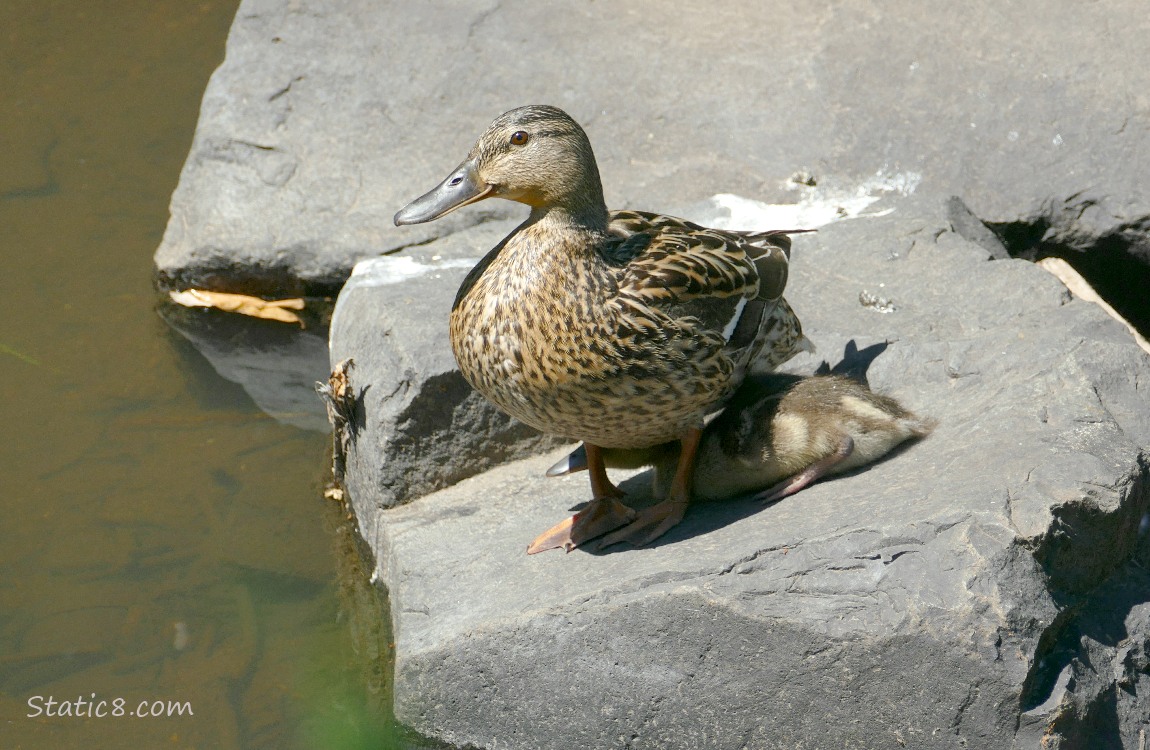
pixel 729 282
pixel 762 248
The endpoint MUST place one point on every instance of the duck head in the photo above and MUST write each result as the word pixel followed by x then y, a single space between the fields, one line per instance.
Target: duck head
pixel 535 155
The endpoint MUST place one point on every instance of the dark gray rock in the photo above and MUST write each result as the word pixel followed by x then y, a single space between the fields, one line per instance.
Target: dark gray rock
pixel 419 426
pixel 1098 672
pixel 931 600
pixel 326 117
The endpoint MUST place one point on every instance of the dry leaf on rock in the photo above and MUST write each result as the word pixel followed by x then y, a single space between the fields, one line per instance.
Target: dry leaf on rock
pixel 273 309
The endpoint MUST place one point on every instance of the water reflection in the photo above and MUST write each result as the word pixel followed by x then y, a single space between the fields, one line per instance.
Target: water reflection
pixel 275 364
pixel 163 538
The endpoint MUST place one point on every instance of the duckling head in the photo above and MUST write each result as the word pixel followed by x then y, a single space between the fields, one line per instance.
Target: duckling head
pixel 535 155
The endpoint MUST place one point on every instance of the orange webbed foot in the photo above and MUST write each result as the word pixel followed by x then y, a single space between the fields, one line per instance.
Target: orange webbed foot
pixel 602 515
pixel 657 520
pixel 650 524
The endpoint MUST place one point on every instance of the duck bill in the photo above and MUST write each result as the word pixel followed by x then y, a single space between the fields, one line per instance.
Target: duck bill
pixel 575 461
pixel 461 187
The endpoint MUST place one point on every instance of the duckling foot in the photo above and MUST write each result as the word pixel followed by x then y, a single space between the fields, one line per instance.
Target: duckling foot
pixel 651 523
pixel 809 475
pixel 603 514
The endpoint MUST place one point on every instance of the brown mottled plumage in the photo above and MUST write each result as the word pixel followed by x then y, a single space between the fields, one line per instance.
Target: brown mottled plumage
pixel 621 330
pixel 553 334
pixel 778 434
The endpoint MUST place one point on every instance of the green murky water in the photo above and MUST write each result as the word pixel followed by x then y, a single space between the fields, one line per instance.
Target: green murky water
pixel 162 538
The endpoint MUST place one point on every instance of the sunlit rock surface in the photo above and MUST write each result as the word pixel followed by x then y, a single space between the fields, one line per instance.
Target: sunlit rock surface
pixel 940 596
pixel 981 588
pixel 327 117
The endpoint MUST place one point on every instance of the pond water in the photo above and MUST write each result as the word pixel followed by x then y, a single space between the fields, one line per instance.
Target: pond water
pixel 164 540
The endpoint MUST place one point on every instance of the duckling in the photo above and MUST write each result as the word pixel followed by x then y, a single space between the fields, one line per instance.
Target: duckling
pixel 779 434
pixel 622 330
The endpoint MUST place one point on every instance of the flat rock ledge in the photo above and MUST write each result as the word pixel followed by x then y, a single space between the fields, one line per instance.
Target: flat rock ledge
pixel 981 588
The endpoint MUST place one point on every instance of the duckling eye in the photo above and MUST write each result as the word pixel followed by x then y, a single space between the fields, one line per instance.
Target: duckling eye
pixel 519 138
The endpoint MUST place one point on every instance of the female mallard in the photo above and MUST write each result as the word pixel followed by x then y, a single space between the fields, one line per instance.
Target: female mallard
pixel 621 330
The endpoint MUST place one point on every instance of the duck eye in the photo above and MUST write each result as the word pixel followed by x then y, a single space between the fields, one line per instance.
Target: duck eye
pixel 519 138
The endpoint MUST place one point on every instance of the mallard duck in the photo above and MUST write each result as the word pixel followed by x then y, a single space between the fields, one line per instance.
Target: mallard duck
pixel 777 435
pixel 622 330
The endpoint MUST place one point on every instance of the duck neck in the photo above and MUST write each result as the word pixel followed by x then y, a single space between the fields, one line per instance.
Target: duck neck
pixel 564 217
pixel 583 209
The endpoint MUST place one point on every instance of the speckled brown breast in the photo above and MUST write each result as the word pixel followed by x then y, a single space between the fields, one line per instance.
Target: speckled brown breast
pixel 541 328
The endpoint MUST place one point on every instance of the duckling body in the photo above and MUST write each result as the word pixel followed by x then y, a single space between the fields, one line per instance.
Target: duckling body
pixel 779 434
pixel 622 330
